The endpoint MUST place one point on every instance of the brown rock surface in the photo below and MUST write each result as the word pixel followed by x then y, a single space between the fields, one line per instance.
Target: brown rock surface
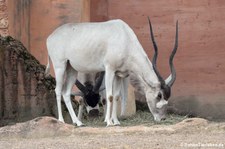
pixel 24 91
pixel 4 21
pixel 40 127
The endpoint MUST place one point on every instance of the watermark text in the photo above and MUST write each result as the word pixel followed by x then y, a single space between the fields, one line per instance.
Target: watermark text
pixel 204 145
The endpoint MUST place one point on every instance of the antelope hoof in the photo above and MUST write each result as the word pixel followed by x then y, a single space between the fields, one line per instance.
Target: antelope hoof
pixel 61 120
pixel 109 123
pixel 117 123
pixel 80 124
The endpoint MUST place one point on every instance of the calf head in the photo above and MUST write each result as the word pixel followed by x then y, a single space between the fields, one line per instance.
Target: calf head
pixel 90 94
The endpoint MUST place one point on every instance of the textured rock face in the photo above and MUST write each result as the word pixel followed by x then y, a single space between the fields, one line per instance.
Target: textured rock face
pixel 24 91
pixel 4 22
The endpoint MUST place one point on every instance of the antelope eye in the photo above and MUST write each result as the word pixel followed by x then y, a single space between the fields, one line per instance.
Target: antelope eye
pixel 159 96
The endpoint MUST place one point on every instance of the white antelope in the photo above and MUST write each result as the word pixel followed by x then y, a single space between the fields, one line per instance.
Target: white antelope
pixel 112 47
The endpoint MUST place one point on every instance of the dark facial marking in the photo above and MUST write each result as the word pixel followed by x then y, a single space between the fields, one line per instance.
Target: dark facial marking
pixel 166 91
pixel 159 96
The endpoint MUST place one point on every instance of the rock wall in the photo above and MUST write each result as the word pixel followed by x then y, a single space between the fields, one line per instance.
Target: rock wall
pixel 24 91
pixel 4 22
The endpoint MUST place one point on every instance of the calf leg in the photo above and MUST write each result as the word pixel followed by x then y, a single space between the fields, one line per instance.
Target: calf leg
pixel 109 77
pixel 116 94
pixel 81 108
pixel 69 82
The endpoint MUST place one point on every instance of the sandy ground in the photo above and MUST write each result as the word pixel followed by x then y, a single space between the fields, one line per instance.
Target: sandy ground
pixel 48 133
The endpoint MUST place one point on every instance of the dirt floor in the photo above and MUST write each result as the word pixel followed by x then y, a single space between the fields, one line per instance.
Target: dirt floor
pixel 137 132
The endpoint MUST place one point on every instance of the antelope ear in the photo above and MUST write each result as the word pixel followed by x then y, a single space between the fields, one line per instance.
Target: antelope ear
pixel 77 94
pixel 168 79
pixel 81 87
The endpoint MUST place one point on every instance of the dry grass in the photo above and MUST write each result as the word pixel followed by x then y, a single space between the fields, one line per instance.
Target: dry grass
pixel 140 118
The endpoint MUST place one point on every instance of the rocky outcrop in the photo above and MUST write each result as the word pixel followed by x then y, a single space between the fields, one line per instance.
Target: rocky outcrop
pixel 24 91
pixel 40 127
pixel 4 21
